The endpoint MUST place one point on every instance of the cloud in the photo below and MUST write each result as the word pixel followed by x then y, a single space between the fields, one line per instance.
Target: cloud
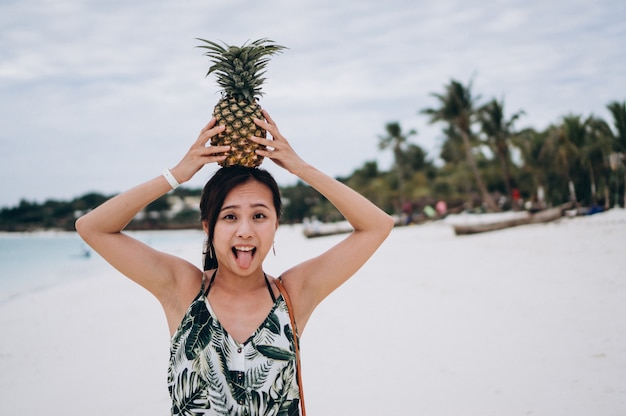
pixel 103 95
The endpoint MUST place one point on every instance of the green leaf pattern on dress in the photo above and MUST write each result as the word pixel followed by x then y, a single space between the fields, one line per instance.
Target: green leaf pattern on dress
pixel 202 379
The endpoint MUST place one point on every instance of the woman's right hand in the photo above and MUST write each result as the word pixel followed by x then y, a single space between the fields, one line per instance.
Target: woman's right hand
pixel 199 154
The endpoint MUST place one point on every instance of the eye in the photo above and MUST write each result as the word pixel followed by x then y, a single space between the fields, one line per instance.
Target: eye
pixel 229 217
pixel 259 216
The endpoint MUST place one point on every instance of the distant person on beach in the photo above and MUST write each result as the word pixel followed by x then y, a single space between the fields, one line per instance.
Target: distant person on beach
pixel 234 333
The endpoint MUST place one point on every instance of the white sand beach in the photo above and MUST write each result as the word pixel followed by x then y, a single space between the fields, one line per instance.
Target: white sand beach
pixel 525 321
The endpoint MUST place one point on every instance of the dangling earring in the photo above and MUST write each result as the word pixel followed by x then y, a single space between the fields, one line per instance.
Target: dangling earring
pixel 273 248
pixel 205 247
pixel 208 249
pixel 209 259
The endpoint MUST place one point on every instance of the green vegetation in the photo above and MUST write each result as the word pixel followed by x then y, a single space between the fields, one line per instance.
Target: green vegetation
pixel 486 164
pixel 28 216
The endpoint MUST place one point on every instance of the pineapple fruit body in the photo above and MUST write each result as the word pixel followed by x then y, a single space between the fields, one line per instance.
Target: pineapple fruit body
pixel 238 117
pixel 239 71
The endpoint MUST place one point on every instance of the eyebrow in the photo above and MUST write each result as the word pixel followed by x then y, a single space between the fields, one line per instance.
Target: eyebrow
pixel 255 205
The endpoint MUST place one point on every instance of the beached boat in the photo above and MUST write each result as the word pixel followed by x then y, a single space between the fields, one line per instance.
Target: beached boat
pixel 320 229
pixel 314 228
pixel 520 218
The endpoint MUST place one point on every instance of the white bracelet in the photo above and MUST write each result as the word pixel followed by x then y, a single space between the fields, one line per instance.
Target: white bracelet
pixel 170 179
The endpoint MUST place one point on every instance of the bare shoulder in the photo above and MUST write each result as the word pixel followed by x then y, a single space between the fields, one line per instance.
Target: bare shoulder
pixel 302 302
pixel 187 285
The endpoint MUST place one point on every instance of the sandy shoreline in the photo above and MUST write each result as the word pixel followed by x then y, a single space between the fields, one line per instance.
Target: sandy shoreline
pixel 526 321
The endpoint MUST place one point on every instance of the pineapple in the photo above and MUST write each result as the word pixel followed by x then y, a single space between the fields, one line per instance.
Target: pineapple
pixel 239 71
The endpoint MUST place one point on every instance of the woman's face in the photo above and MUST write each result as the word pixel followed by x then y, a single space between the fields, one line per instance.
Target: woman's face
pixel 245 228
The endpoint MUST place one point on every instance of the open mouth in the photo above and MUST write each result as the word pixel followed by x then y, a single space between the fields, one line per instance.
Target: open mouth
pixel 244 255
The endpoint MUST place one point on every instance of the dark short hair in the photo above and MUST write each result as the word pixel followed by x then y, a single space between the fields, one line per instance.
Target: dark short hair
pixel 215 192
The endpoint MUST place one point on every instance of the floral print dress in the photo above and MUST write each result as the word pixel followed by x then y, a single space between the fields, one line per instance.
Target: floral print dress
pixel 212 374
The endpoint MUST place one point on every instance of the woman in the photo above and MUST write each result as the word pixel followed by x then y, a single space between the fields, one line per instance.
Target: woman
pixel 233 346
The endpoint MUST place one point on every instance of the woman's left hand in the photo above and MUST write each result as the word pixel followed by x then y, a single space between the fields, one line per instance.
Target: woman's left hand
pixel 278 148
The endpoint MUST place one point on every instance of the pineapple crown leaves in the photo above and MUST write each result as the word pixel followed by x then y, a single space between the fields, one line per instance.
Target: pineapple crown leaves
pixel 239 69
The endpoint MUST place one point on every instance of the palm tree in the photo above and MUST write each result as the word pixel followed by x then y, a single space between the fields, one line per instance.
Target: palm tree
pixel 457 109
pixel 562 148
pixel 499 133
pixel 397 141
pixel 618 111
pixel 534 168
pixel 595 157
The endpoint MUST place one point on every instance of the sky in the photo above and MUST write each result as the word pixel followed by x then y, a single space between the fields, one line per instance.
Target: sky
pixel 99 96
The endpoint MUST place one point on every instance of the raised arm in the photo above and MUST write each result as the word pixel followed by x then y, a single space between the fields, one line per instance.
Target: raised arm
pixel 102 227
pixel 310 282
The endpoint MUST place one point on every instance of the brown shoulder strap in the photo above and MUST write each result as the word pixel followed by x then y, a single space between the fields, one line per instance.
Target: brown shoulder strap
pixel 292 317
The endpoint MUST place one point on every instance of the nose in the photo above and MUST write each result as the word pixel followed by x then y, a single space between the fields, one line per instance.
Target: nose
pixel 245 229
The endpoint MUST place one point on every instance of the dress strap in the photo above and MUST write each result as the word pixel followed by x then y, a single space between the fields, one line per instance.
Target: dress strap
pixel 206 293
pixel 269 287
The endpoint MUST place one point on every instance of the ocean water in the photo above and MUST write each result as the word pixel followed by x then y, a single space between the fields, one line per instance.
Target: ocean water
pixel 36 261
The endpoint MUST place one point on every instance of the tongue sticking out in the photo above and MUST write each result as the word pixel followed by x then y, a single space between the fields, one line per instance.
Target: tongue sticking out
pixel 244 258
